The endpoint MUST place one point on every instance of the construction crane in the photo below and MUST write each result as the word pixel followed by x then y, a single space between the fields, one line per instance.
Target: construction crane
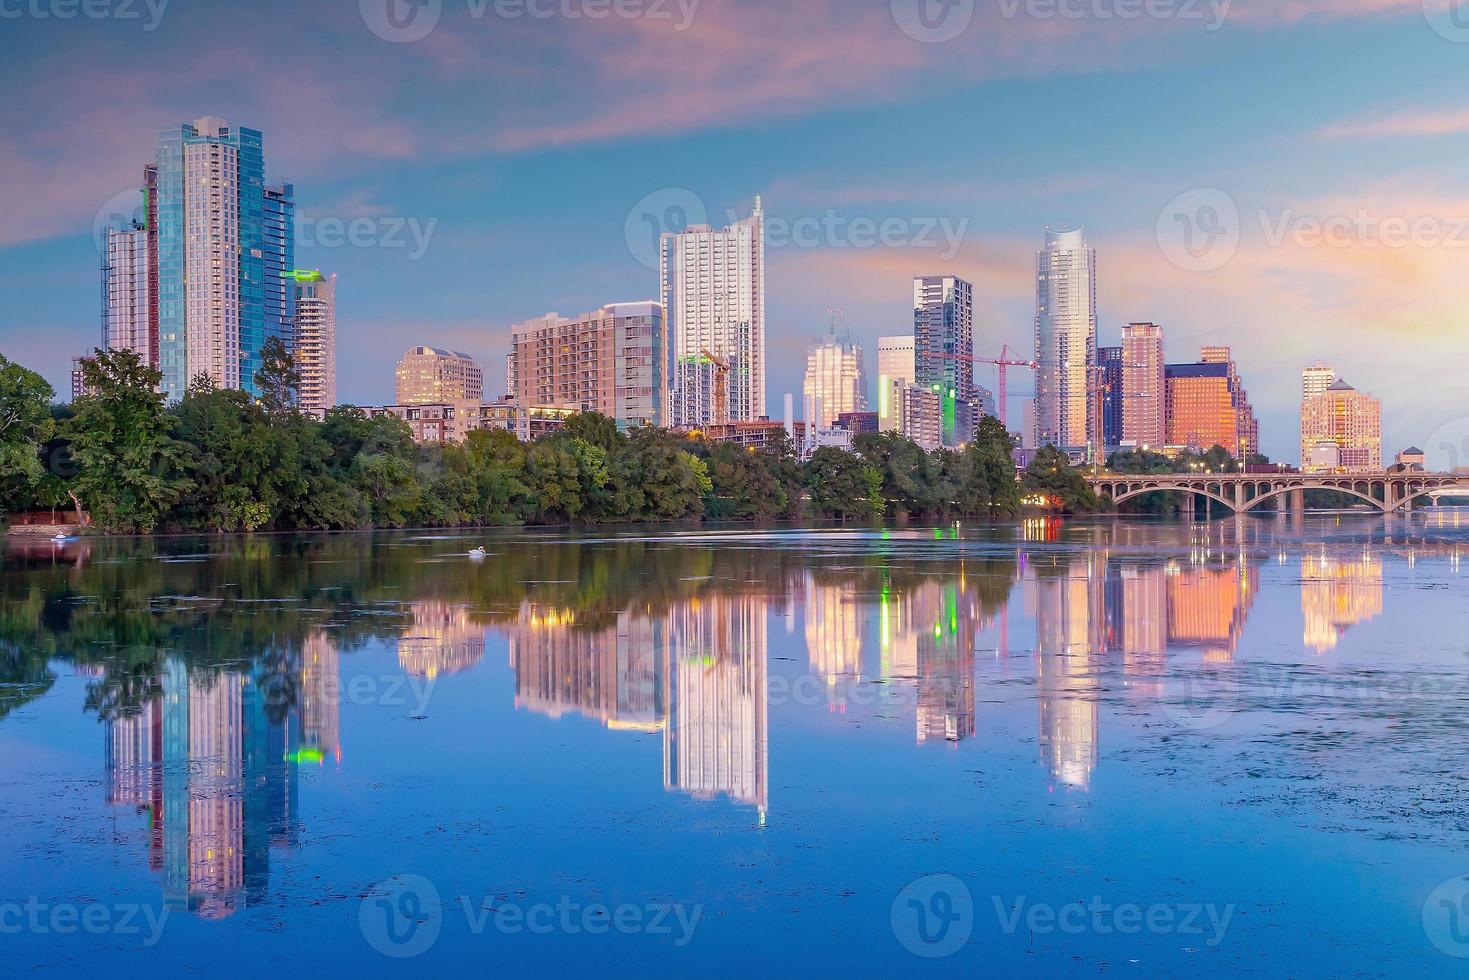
pixel 720 414
pixel 1001 363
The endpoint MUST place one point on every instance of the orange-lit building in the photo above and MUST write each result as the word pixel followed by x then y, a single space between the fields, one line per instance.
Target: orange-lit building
pixel 1201 407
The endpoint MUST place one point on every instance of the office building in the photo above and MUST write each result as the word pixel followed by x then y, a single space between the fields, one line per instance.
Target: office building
pixel 713 295
pixel 1144 394
pixel 1065 338
pixel 1201 411
pixel 1109 364
pixel 316 338
pixel 433 376
pixel 1247 425
pixel 1316 379
pixel 943 350
pixel 609 361
pixel 896 368
pixel 1344 418
pixel 835 378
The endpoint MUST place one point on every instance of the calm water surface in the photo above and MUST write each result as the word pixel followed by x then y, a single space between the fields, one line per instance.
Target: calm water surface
pixel 1135 749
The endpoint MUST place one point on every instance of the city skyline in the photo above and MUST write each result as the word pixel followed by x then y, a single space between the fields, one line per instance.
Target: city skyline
pixel 513 183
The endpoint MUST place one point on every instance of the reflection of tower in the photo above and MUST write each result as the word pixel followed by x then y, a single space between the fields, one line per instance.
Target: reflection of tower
pixel 833 634
pixel 716 740
pixel 1207 607
pixel 897 635
pixel 320 701
pixel 613 674
pixel 1337 595
pixel 441 640
pixel 1144 626
pixel 228 791
pixel 134 755
pixel 945 640
pixel 1068 640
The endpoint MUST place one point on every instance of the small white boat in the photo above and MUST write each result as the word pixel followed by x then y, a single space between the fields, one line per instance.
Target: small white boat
pixel 60 538
pixel 478 554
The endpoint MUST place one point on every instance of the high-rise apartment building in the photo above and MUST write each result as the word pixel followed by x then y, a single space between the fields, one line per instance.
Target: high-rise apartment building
pixel 316 338
pixel 224 243
pixel 895 367
pixel 713 295
pixel 1109 368
pixel 1144 398
pixel 433 376
pixel 608 361
pixel 128 320
pixel 1346 422
pixel 1065 338
pixel 943 350
pixel 835 378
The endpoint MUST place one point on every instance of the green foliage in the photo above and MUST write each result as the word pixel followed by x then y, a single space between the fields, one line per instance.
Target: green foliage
pixel 1051 473
pixel 25 426
pixel 844 485
pixel 278 380
pixel 132 470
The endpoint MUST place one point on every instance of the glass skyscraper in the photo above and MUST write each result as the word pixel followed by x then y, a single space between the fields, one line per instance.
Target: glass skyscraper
pixel 1065 339
pixel 943 349
pixel 225 246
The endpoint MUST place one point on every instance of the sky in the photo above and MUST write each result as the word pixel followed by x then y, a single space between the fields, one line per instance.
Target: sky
pixel 1283 176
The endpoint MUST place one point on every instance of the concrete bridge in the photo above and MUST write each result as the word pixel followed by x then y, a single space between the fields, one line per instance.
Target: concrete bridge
pixel 1244 492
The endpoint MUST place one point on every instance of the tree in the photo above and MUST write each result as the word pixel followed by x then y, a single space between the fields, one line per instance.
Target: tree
pixel 910 476
pixel 229 462
pixel 1052 474
pixel 278 380
pixel 131 468
pixel 743 484
pixel 25 425
pixel 595 429
pixel 844 485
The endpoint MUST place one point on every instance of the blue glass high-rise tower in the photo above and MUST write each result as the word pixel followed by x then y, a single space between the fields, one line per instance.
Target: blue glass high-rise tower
pixel 225 243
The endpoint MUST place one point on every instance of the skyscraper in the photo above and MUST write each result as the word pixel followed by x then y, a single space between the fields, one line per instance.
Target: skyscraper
pixel 225 241
pixel 713 294
pixel 943 349
pixel 316 338
pixel 1247 424
pixel 1143 398
pixel 1109 363
pixel 1316 379
pixel 1201 411
pixel 609 360
pixel 1346 422
pixel 433 376
pixel 835 377
pixel 1065 337
pixel 130 280
pixel 895 369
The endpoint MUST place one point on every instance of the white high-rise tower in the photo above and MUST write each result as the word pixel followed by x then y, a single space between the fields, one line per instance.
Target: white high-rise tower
pixel 1065 337
pixel 713 286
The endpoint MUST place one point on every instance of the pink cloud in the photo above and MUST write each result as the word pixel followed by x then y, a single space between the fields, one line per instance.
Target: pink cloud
pixel 1446 122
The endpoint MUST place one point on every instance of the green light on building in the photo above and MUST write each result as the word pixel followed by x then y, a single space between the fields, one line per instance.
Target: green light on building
pixel 305 275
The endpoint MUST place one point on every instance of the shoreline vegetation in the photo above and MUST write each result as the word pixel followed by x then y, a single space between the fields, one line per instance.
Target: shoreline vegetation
pixel 221 461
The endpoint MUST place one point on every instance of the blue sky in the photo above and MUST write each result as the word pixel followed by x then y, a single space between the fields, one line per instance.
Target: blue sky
pixel 521 149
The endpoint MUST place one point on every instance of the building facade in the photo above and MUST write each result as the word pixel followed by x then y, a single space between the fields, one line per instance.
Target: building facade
pixel 896 368
pixel 609 361
pixel 1144 391
pixel 835 378
pixel 1109 369
pixel 713 295
pixel 1065 338
pixel 1200 408
pixel 316 338
pixel 434 376
pixel 224 242
pixel 129 308
pixel 1247 425
pixel 1347 420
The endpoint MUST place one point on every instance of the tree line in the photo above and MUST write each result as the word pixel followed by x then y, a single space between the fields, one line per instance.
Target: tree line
pixel 222 461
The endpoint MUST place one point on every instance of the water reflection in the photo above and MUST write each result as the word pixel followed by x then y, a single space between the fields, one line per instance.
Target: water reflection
pixel 218 674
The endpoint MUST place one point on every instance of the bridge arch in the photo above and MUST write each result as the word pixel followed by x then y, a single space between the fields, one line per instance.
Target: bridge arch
pixel 1449 489
pixel 1282 491
pixel 1138 492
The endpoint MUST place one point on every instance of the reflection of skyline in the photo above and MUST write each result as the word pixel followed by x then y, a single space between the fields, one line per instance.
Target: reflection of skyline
pixel 1337 595
pixel 442 640
pixel 216 774
pixel 834 630
pixel 1069 621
